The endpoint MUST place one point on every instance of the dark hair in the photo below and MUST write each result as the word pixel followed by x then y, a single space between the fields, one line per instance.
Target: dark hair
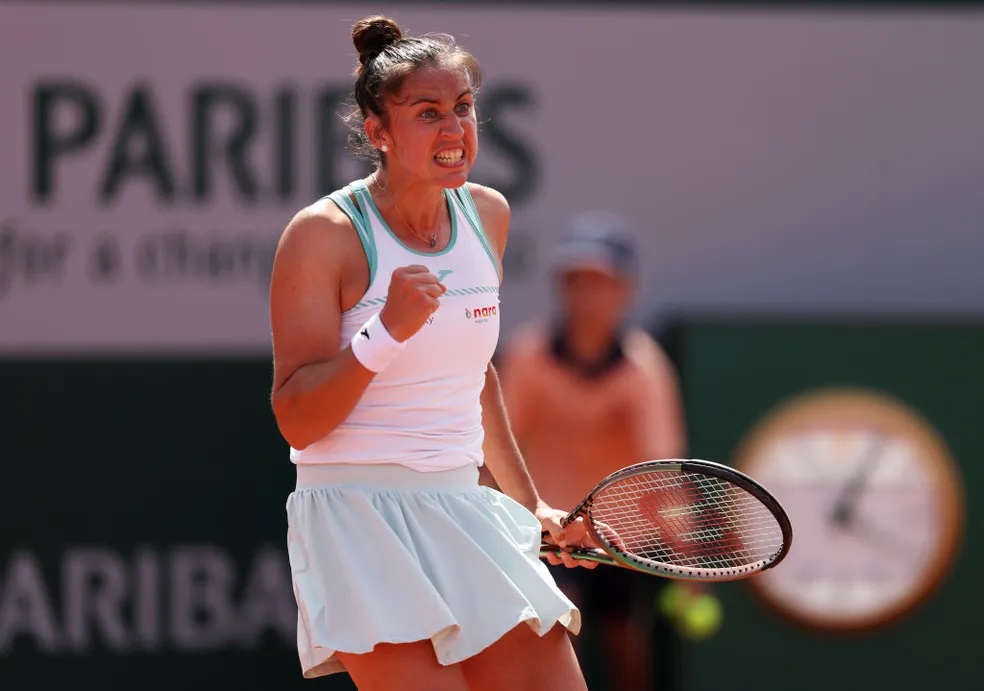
pixel 386 58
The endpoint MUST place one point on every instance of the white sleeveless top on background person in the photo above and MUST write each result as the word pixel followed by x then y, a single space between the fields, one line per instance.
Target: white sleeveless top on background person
pixel 423 410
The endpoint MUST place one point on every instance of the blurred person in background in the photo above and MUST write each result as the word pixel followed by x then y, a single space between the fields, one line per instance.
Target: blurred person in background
pixel 587 396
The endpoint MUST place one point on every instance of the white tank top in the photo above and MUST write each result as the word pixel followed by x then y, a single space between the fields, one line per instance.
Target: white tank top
pixel 423 410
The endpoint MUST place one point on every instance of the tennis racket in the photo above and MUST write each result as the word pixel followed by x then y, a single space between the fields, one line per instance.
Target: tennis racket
pixel 682 519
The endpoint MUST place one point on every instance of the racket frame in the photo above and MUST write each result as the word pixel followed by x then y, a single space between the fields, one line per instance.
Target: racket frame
pixel 612 556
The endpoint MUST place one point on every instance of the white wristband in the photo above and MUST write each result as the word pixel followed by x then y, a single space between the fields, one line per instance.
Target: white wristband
pixel 373 346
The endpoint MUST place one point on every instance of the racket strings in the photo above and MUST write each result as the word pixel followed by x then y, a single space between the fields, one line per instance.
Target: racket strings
pixel 689 520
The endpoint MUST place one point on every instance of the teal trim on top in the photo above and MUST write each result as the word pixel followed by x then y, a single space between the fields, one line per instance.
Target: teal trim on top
pixel 468 207
pixel 362 227
pixel 474 290
pixel 362 192
pixel 458 292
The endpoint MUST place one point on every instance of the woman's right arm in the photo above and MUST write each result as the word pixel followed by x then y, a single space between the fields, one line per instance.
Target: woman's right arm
pixel 317 381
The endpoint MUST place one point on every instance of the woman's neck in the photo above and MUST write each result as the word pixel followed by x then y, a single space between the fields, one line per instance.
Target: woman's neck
pixel 410 207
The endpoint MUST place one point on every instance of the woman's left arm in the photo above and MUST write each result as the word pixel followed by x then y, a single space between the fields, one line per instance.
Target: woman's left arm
pixel 502 455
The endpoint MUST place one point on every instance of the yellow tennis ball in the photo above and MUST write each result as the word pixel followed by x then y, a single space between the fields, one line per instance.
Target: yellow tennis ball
pixel 670 600
pixel 701 617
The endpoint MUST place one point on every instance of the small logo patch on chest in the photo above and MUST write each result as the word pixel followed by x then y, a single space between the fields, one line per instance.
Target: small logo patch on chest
pixel 481 314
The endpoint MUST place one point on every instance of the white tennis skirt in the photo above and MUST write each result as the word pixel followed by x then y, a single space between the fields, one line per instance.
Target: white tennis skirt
pixel 387 554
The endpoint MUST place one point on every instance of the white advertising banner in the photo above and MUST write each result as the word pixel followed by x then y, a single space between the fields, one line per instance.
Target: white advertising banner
pixel 798 162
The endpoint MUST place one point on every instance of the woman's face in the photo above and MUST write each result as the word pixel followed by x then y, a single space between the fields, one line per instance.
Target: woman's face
pixel 431 129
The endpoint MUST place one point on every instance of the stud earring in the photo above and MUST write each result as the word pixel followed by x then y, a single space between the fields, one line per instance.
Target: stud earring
pixel 384 148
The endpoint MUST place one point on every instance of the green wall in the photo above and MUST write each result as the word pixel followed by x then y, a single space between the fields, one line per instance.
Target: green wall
pixel 156 489
pixel 733 372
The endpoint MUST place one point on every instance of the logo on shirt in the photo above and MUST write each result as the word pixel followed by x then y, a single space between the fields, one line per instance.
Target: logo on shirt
pixel 443 272
pixel 481 314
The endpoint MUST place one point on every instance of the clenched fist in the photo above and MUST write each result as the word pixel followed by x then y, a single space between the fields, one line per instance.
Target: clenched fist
pixel 412 298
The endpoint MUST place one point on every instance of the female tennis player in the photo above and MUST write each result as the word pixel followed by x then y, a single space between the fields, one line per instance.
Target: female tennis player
pixel 385 314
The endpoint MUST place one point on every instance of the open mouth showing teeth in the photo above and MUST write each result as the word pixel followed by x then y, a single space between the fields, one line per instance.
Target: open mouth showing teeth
pixel 450 156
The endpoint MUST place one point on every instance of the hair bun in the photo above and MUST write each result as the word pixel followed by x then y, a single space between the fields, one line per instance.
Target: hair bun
pixel 372 35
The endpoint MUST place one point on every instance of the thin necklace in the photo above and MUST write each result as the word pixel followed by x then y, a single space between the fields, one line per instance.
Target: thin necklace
pixel 432 240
